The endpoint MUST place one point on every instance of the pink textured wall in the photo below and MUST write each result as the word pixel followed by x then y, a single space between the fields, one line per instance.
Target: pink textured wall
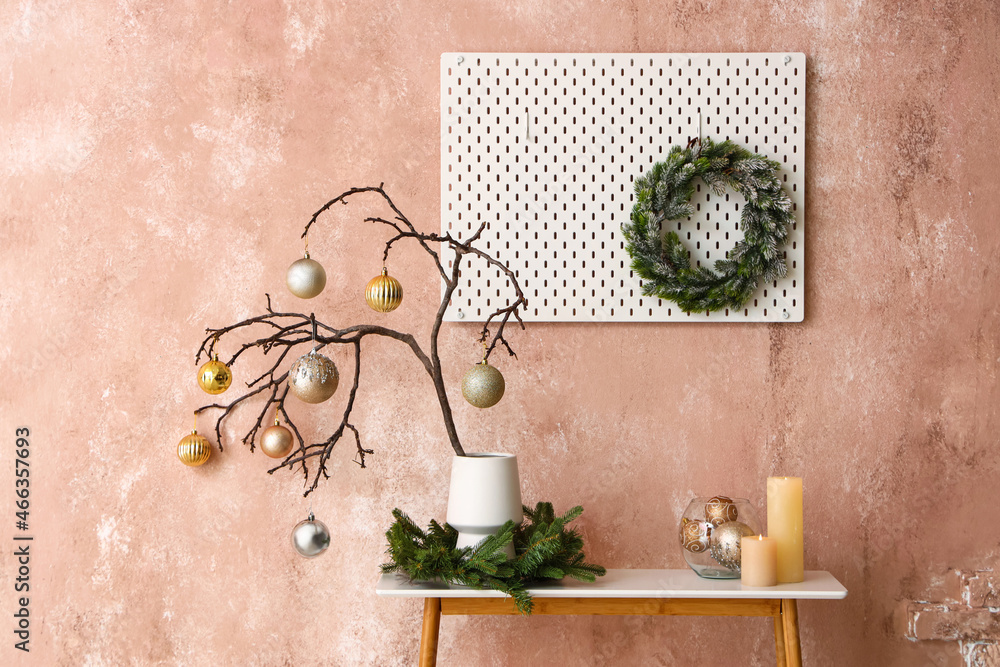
pixel 157 162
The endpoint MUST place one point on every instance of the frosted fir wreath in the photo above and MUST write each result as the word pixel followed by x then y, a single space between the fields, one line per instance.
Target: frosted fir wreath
pixel 663 194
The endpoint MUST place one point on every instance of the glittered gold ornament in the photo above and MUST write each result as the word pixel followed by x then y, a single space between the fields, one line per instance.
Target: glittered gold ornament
pixel 276 441
pixel 306 277
pixel 727 543
pixel 384 293
pixel 194 449
pixel 483 385
pixel 214 376
pixel 696 536
pixel 720 509
pixel 313 378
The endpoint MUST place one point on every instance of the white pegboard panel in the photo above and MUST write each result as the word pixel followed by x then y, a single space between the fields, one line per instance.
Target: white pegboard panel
pixel 544 148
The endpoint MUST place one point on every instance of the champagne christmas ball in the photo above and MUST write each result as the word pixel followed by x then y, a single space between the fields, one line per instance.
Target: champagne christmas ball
pixel 306 278
pixel 720 509
pixel 276 441
pixel 727 543
pixel 696 536
pixel 313 378
pixel 384 293
pixel 194 450
pixel 310 537
pixel 483 385
pixel 214 376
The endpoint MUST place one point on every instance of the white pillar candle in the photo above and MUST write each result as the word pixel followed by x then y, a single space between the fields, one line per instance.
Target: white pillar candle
pixel 759 561
pixel 784 524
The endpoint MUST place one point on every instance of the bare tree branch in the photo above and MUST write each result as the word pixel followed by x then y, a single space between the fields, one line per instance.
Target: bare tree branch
pixel 286 331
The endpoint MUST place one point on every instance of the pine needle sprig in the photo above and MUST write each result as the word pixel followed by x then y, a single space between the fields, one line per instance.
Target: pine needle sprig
pixel 545 550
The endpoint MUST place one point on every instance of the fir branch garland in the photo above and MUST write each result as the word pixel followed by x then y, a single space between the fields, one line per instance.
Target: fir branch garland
pixel 545 549
pixel 664 194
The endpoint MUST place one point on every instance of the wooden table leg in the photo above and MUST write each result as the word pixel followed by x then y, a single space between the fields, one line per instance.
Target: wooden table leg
pixel 779 640
pixel 429 634
pixel 790 621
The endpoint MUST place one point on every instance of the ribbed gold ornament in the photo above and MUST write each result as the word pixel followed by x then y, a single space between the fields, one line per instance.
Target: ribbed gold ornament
pixel 483 385
pixel 384 293
pixel 276 441
pixel 194 450
pixel 214 376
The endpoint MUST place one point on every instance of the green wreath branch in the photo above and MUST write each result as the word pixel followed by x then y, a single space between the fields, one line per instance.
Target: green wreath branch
pixel 664 194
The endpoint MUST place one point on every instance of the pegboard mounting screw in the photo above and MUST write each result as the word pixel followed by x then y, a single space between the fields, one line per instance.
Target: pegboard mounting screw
pixel 460 314
pixel 461 59
pixel 788 59
pixel 785 314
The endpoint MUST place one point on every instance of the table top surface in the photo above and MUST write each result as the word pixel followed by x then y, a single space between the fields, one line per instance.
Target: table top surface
pixel 818 585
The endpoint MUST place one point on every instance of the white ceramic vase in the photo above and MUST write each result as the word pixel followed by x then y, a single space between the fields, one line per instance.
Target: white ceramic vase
pixel 485 493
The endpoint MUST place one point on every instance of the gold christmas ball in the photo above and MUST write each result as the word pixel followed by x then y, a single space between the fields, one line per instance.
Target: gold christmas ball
pixel 214 376
pixel 276 441
pixel 483 385
pixel 194 449
pixel 727 545
pixel 696 536
pixel 384 293
pixel 313 378
pixel 720 509
pixel 306 278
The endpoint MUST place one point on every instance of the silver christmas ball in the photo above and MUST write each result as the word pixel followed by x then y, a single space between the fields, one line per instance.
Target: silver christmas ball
pixel 306 278
pixel 727 548
pixel 310 537
pixel 313 378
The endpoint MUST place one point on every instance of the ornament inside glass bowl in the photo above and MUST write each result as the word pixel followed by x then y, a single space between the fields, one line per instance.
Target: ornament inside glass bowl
pixel 710 534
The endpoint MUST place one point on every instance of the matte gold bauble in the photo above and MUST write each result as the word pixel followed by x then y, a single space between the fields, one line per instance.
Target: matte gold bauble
pixel 720 509
pixel 384 293
pixel 696 536
pixel 194 449
pixel 313 378
pixel 214 376
pixel 276 441
pixel 306 278
pixel 727 547
pixel 483 385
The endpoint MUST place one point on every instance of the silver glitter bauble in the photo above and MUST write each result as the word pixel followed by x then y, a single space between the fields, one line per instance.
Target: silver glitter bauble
pixel 306 278
pixel 310 537
pixel 483 386
pixel 313 378
pixel 727 543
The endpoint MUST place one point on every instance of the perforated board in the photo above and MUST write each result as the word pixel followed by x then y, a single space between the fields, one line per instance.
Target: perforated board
pixel 544 148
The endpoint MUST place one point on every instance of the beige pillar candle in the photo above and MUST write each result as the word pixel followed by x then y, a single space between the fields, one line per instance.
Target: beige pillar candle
pixel 784 524
pixel 759 558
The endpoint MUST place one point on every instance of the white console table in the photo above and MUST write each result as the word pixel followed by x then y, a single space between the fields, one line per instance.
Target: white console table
pixel 628 592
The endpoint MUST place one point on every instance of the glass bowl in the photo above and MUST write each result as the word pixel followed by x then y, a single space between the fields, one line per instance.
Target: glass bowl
pixel 710 534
